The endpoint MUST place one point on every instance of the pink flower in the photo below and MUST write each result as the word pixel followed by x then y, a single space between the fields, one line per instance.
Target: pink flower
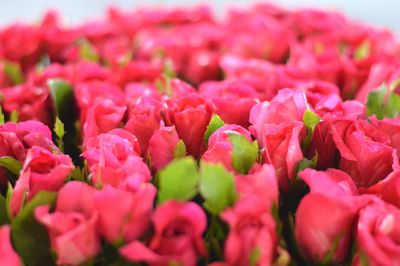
pixel 251 228
pixel 144 118
pixel 222 94
pixel 333 196
pixel 162 146
pixel 124 215
pixel 113 157
pixel 364 152
pixel 178 229
pixel 102 117
pixel 190 114
pixel 261 182
pixel 31 102
pixel 220 148
pixel 378 231
pixel 42 171
pixel 72 227
pixel 7 254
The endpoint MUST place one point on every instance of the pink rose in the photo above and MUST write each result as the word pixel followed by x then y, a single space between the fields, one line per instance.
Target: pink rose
pixel 31 102
pixel 220 148
pixel 137 71
pixel 283 150
pixel 162 146
pixel 124 215
pixel 287 106
pixel 190 114
pixel 17 138
pixel 42 171
pixel 378 232
pixel 88 93
pixel 364 152
pixel 113 157
pixel 72 226
pixel 223 93
pixel 252 227
pixel 259 74
pixel 261 182
pixel 7 254
pixel 333 196
pixel 388 189
pixel 203 65
pixel 178 229
pixel 104 115
pixel 143 119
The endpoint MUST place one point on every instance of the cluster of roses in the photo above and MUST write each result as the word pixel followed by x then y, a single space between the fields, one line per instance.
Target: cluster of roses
pixel 180 139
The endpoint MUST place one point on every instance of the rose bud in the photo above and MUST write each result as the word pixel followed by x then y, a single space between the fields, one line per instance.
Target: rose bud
pixel 190 114
pixel 378 232
pixel 177 238
pixel 72 226
pixel 333 196
pixel 223 94
pixel 42 171
pixel 251 227
pixel 102 117
pixel 113 157
pixel 363 154
pixel 31 102
pixel 143 119
pixel 162 146
pixel 7 254
pixel 220 147
pixel 124 215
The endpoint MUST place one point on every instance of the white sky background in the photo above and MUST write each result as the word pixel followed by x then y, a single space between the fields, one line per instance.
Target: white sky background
pixel 377 12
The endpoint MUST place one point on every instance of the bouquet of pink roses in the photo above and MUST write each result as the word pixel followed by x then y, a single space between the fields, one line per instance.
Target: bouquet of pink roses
pixel 168 137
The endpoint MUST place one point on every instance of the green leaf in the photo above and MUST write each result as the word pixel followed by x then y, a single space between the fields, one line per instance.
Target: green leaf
pixel 78 174
pixel 363 259
pixel 383 103
pixel 362 51
pixel 178 180
pixel 62 95
pixel 4 217
pixel 255 255
pixel 180 150
pixel 217 187
pixel 13 72
pixel 1 116
pixel 310 121
pixel 169 71
pixel 14 116
pixel 59 130
pixel 8 199
pixel 215 123
pixel 30 238
pixel 10 164
pixel 244 152
pixel 306 163
pixel 88 51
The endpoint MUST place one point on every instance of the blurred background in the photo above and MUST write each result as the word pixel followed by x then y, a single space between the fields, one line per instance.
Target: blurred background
pixel 383 13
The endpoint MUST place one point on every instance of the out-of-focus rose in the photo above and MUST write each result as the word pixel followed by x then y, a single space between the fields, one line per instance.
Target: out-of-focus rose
pixel 259 74
pixel 113 157
pixel 220 147
pixel 162 146
pixel 190 114
pixel 203 65
pixel 364 152
pixel 124 215
pixel 177 238
pixel 261 182
pixel 72 226
pixel 252 227
pixel 7 254
pixel 223 94
pixel 42 171
pixel 378 232
pixel 31 102
pixel 333 196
